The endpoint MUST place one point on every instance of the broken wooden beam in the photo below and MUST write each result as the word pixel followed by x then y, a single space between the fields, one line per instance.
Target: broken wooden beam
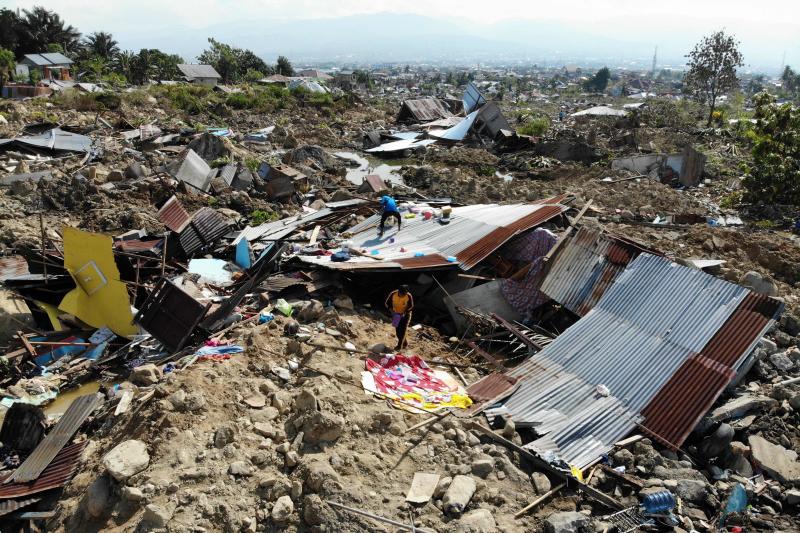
pixel 539 500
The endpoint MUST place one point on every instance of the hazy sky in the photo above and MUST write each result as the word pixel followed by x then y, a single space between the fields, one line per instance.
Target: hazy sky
pixel 767 28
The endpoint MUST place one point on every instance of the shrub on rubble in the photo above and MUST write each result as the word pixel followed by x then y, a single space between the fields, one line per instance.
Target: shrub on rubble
pixel 77 100
pixel 535 128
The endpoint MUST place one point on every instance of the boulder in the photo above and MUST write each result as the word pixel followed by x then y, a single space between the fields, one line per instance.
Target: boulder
pixel 541 483
pixel 224 435
pixel 781 362
pixel 344 302
pixel 718 442
pixel 283 509
pixel 566 522
pixel 483 466
pixel 458 494
pixel 775 460
pixel 691 490
pixel 477 521
pixel 155 517
pixel 97 496
pixel 322 426
pixel 145 375
pixel 126 459
pixel 312 311
pixel 740 406
pixel 318 474
pixel 759 283
pixel 209 147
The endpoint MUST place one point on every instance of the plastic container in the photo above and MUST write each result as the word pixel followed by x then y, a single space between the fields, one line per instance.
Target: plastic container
pixel 659 502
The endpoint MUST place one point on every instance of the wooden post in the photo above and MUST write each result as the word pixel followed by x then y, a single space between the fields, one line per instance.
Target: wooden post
pixel 44 246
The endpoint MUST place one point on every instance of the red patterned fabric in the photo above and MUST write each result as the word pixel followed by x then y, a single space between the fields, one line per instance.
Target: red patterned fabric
pixel 524 295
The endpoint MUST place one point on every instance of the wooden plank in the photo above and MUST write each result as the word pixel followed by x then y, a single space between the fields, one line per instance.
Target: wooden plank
pixel 314 235
pixel 539 500
pixel 124 402
pixel 544 465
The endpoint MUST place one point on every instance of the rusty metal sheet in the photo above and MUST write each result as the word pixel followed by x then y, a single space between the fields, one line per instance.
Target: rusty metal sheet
pixel 9 506
pixel 66 427
pixel 12 266
pixel 689 394
pixel 206 227
pixel 57 474
pixel 173 215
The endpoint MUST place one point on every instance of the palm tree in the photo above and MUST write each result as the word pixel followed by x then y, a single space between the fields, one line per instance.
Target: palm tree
pixel 102 44
pixel 41 27
pixel 123 64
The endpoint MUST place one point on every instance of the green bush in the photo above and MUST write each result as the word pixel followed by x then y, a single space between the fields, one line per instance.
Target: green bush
pixel 535 128
pixel 77 100
pixel 259 217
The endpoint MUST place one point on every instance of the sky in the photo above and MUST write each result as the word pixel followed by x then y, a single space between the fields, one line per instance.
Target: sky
pixel 767 29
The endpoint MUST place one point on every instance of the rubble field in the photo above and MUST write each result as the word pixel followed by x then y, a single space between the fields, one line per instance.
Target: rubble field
pixel 195 334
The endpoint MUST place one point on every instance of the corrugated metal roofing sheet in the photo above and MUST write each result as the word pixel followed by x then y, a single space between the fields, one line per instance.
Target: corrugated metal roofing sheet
pixel 173 215
pixel 198 71
pixel 424 109
pixel 205 228
pixel 57 473
pixel 655 317
pixel 47 450
pixel 9 506
pixel 474 232
pixel 586 267
pixel 693 389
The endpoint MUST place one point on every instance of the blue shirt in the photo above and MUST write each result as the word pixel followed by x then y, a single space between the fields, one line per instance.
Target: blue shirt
pixel 388 204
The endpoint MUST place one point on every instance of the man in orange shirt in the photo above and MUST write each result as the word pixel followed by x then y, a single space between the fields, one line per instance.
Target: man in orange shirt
pixel 400 303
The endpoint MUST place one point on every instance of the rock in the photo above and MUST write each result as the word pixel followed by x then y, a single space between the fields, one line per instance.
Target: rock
pixel 378 348
pixel 240 468
pixel 566 522
pixel 509 429
pixel 741 466
pixel 442 486
pixel 282 401
pixel 317 204
pixel 477 521
pixel 691 490
pixel 291 327
pixel 340 195
pixel 145 375
pixel 136 171
pixel 315 510
pixel 187 401
pixel 155 516
pixel 792 497
pixel 312 311
pixel 758 283
pixel 265 429
pixel 768 346
pixel 322 426
pixel 224 435
pixel 344 302
pixel 483 466
pixel 781 362
pixel 625 214
pixel 256 401
pixel 132 494
pixel 541 483
pixel 97 496
pixel 283 509
pixel 317 475
pixel 738 407
pixel 718 442
pixel 790 324
pixel 115 175
pixel 209 147
pixel 126 459
pixel 458 494
pixel 305 401
pixel 775 460
pixel 795 402
pixel 291 459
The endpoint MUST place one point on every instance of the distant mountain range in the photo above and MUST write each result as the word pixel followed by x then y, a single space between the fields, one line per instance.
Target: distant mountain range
pixel 392 38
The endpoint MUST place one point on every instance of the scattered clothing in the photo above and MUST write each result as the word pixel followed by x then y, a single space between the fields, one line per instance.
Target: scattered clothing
pixel 412 384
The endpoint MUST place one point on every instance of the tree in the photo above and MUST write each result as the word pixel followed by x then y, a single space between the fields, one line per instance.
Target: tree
pixel 6 67
pixel 775 174
pixel 123 64
pixel 102 44
pixel 790 80
pixel 284 67
pixel 10 29
pixel 40 27
pixel 712 69
pixel 599 81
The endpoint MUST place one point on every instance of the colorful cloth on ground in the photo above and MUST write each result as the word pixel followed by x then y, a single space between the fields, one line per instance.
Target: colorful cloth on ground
pixel 524 295
pixel 217 353
pixel 409 381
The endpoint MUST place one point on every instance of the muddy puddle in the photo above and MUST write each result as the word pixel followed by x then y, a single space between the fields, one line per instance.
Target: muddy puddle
pixel 65 399
pixel 388 170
